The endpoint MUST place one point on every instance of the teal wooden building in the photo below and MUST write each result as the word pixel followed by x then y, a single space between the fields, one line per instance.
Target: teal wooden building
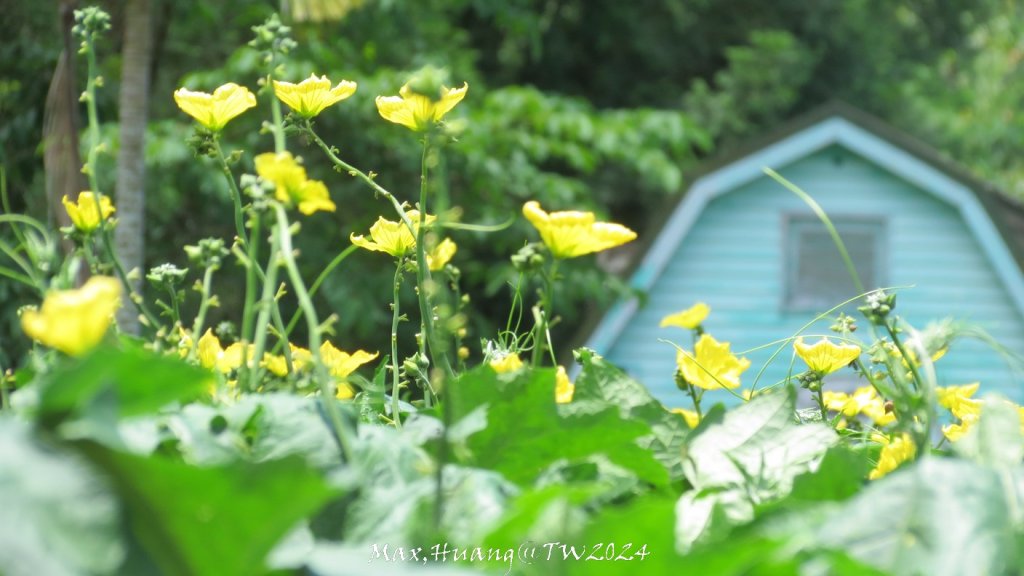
pixel 756 254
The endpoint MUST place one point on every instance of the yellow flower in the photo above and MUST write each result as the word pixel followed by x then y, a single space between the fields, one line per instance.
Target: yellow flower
pixel 417 111
pixel 691 417
pixel 74 321
pixel 508 363
pixel 213 356
pixel 864 400
pixel 959 401
pixel 564 389
pixel 390 237
pixel 309 97
pixel 301 357
pixel 291 187
pixel 713 366
pixel 689 318
pixel 439 257
pixel 571 234
pixel 894 452
pixel 83 213
pixel 824 357
pixel 954 432
pixel 276 364
pixel 341 364
pixel 209 349
pixel 215 110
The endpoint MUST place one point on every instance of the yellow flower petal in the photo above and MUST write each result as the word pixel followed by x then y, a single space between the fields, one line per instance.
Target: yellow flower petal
pixel 311 96
pixel 83 212
pixel 209 349
pixel 74 321
pixel 345 391
pixel 276 364
pixel 417 111
pixel 215 110
pixel 691 417
pixel 689 318
pixel 825 357
pixel 712 366
pixel 439 257
pixel 894 452
pixel 291 186
pixel 570 234
pixel 341 364
pixel 564 388
pixel 391 237
pixel 508 363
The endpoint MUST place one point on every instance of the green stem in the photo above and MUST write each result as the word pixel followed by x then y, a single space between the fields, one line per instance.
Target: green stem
pixel 542 324
pixel 313 289
pixel 236 194
pixel 903 352
pixel 275 109
pixel 424 282
pixel 819 397
pixel 323 377
pixel 5 399
pixel 696 396
pixel 204 304
pixel 174 304
pixel 248 308
pixel 395 316
pixel 266 303
pixel 357 173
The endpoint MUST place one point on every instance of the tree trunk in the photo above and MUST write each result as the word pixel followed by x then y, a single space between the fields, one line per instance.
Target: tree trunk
pixel 131 162
pixel 61 161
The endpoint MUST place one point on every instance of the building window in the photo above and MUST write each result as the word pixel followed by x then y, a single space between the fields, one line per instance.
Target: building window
pixel 816 276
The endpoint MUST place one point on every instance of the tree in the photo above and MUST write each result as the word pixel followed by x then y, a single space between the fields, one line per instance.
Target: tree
pixel 131 165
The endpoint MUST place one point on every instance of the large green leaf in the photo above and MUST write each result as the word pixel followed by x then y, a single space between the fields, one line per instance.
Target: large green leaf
pixel 120 383
pixel 395 485
pixel 937 517
pixel 604 383
pixel 57 516
pixel 759 440
pixel 741 459
pixel 218 521
pixel 526 433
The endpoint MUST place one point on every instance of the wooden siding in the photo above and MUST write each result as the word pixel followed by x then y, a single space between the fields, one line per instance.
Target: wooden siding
pixel 733 259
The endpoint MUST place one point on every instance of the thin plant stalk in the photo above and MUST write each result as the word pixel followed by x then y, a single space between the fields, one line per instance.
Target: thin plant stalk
pixel 266 302
pixel 204 304
pixel 322 376
pixel 395 318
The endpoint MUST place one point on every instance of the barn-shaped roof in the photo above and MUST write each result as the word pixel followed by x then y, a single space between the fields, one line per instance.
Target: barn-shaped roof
pixel 995 220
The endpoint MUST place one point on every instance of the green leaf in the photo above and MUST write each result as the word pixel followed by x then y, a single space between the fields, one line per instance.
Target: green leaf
pixel 219 521
pixel 120 383
pixel 758 440
pixel 526 433
pixel 839 476
pixel 604 383
pixel 635 539
pixel 936 517
pixel 57 516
